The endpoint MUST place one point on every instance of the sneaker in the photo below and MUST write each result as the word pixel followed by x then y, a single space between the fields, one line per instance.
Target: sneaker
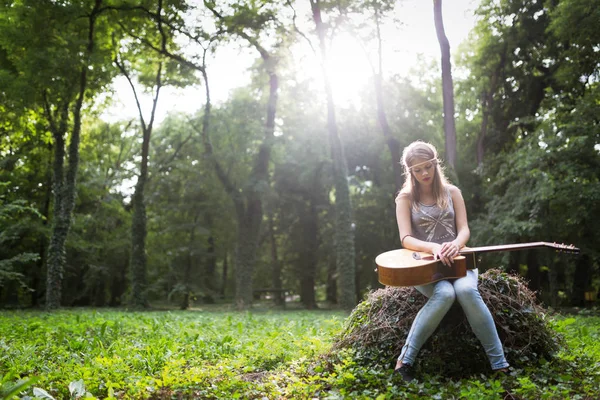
pixel 406 372
pixel 501 372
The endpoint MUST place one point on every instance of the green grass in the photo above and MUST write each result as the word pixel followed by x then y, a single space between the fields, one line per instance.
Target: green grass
pixel 214 355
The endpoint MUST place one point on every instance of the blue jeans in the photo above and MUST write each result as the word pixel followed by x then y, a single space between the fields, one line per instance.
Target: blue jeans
pixel 441 296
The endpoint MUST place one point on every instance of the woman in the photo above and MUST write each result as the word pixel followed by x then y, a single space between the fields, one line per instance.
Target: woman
pixel 432 218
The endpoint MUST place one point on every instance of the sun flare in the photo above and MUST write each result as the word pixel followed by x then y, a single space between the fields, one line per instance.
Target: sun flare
pixel 349 70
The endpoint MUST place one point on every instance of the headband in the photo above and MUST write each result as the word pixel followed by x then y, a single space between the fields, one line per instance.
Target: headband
pixel 433 160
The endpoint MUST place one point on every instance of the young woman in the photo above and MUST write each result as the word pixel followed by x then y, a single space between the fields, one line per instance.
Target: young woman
pixel 432 218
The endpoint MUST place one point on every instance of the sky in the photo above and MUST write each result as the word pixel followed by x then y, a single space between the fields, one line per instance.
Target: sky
pixel 228 69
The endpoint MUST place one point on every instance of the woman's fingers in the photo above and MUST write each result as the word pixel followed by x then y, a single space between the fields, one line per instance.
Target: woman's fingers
pixel 444 259
pixel 446 253
pixel 440 257
pixel 449 250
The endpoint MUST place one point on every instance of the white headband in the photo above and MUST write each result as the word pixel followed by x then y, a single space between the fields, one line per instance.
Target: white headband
pixel 433 160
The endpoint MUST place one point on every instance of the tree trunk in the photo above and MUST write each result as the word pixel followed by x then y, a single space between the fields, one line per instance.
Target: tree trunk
pixel 553 283
pixel 391 141
pixel 138 244
pixel 485 108
pixel 245 256
pixel 581 280
pixel 64 201
pixel 279 297
pixel 187 272
pixel 487 104
pixel 139 219
pixel 37 282
pixel 513 263
pixel 56 248
pixel 118 284
pixel 65 190
pixel 533 272
pixel 447 85
pixel 344 235
pixel 210 271
pixel 221 175
pixel 331 288
pixel 249 207
pixel 308 267
pixel 224 276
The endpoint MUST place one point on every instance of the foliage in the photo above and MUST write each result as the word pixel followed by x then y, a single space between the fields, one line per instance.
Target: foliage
pixel 209 355
pixel 528 110
pixel 16 219
pixel 204 354
pixel 186 213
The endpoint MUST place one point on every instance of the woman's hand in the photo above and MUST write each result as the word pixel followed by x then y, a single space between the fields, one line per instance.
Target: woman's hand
pixel 445 252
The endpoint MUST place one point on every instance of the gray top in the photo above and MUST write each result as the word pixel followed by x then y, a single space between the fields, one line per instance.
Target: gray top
pixel 432 224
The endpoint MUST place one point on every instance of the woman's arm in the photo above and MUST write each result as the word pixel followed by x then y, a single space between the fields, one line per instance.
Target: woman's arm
pixel 451 249
pixel 404 227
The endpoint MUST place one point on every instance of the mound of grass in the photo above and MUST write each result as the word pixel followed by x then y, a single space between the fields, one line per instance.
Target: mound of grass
pixel 378 327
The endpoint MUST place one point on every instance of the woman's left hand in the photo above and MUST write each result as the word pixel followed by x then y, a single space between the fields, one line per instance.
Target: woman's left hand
pixel 450 250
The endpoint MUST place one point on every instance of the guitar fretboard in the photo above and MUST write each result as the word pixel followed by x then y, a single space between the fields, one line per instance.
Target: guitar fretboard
pixel 519 246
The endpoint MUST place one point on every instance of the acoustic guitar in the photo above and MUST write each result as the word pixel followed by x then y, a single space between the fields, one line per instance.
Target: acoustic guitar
pixel 410 268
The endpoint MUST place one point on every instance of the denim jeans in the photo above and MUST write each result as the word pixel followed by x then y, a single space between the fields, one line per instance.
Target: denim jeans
pixel 441 295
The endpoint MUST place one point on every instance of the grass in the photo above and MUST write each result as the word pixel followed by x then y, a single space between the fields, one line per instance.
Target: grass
pixel 253 355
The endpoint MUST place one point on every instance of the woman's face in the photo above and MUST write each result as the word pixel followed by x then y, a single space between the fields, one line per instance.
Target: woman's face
pixel 423 170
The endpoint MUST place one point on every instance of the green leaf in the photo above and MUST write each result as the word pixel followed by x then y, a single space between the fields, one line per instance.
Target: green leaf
pixel 77 388
pixel 41 393
pixel 20 386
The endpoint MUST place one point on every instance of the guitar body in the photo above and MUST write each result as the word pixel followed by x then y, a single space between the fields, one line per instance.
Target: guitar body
pixel 411 268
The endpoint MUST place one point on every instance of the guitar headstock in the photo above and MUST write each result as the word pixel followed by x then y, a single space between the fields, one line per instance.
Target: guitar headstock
pixel 564 248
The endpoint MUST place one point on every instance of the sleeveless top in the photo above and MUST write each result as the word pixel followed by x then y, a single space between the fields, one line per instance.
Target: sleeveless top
pixel 432 224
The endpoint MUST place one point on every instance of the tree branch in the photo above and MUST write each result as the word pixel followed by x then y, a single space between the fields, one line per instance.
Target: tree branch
pixel 123 70
pixel 289 3
pixel 173 156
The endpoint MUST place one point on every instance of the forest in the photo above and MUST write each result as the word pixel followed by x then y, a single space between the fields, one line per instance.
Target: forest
pixel 280 190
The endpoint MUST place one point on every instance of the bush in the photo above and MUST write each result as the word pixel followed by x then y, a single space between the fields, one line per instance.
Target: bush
pixel 378 326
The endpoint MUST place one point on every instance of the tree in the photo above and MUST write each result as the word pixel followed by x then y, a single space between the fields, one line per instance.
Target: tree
pixel 379 10
pixel 447 85
pixel 68 35
pixel 248 201
pixel 138 226
pixel 344 235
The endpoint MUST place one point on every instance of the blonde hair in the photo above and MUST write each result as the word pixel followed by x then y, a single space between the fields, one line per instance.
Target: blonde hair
pixel 420 150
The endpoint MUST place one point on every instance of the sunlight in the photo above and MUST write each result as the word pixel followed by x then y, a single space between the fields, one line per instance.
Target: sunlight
pixel 349 70
pixel 349 67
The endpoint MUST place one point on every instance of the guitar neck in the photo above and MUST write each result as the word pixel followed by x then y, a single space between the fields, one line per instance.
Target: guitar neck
pixel 505 247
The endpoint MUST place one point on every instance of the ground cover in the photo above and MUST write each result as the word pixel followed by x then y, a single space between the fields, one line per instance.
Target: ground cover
pixel 252 355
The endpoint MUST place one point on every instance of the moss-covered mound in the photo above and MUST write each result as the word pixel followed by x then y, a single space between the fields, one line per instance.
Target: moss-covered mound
pixel 378 326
